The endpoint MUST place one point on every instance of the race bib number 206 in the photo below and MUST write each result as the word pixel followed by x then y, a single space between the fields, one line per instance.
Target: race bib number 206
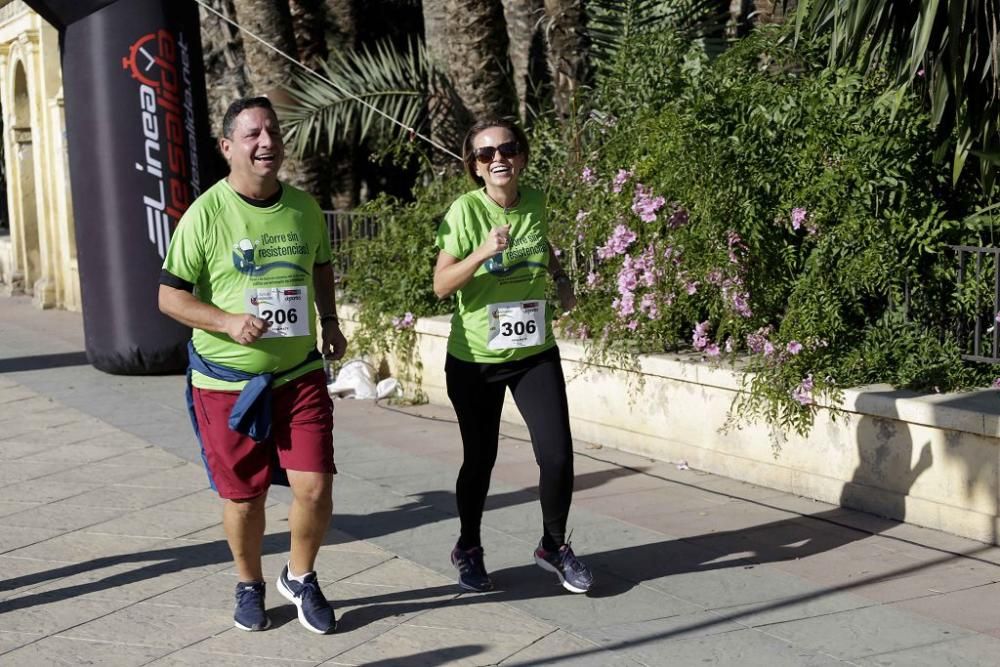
pixel 286 308
pixel 516 324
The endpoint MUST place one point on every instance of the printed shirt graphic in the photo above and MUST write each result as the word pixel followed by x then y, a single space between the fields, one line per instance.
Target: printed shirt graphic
pixel 519 276
pixel 227 248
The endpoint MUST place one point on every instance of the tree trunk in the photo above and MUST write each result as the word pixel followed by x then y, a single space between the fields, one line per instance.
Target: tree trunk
pixel 267 71
pixel 223 56
pixel 476 57
pixel 772 11
pixel 309 26
pixel 566 34
pixel 524 19
pixel 343 29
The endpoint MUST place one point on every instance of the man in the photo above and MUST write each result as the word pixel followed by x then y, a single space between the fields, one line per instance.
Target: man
pixel 258 253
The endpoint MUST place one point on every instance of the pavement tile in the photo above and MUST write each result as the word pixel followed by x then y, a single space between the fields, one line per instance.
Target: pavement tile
pixel 723 518
pixel 154 523
pixel 80 547
pixel 11 640
pixel 789 608
pixel 23 470
pixel 44 493
pixel 562 648
pixel 13 538
pixel 127 582
pixel 621 637
pixel 746 648
pixel 955 575
pixel 192 657
pixel 54 651
pixel 975 651
pixel 155 625
pixel 477 612
pixel 127 497
pixel 416 646
pixel 182 475
pixel 23 574
pixel 853 634
pixel 47 615
pixel 286 638
pixel 9 507
pixel 61 515
pixel 975 609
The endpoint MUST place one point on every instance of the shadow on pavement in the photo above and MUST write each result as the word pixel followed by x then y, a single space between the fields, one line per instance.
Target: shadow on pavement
pixel 43 361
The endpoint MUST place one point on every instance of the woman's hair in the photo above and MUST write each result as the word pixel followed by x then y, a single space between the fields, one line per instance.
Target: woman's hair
pixel 469 156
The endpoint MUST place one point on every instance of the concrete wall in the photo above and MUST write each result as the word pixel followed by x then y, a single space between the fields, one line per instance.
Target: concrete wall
pixel 929 460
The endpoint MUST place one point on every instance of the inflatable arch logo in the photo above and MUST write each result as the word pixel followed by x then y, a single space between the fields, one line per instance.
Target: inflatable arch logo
pixel 161 65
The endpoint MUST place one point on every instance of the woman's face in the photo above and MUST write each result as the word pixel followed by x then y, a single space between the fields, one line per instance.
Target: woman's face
pixel 503 169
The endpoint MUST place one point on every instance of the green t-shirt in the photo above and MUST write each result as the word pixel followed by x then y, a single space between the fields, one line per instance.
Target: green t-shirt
pixel 521 277
pixel 248 259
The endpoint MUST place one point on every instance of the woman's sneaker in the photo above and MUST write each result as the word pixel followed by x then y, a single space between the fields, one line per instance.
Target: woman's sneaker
pixel 472 575
pixel 315 613
pixel 573 574
pixel 249 614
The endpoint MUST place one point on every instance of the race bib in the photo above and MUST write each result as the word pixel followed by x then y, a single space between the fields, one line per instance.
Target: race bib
pixel 516 324
pixel 284 307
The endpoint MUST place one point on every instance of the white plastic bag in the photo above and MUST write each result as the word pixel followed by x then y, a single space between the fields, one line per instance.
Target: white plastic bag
pixel 355 380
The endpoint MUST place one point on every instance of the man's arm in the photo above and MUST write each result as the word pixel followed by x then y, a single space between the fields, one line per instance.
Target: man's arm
pixel 187 309
pixel 325 295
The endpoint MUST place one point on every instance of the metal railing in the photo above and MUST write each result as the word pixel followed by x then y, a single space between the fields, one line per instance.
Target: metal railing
pixel 978 272
pixel 344 227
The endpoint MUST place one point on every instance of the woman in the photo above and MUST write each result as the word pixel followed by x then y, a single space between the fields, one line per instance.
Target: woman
pixel 495 255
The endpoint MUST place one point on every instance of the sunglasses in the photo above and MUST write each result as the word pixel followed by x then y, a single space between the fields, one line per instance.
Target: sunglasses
pixel 485 154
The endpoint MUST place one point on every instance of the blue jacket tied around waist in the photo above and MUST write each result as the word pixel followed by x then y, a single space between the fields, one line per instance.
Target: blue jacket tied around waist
pixel 251 415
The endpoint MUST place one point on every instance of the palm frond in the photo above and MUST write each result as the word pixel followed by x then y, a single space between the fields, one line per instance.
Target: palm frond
pixel 369 87
pixel 948 50
pixel 611 23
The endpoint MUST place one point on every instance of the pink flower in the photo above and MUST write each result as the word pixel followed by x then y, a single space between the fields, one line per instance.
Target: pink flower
pixel 592 279
pixel 404 322
pixel 587 176
pixel 729 344
pixel 920 72
pixel 712 350
pixel 794 347
pixel 700 339
pixel 768 348
pixel 620 179
pixel 996 383
pixel 645 205
pixel 633 325
pixel 798 217
pixel 803 393
pixel 619 241
pixel 581 215
pixel 691 286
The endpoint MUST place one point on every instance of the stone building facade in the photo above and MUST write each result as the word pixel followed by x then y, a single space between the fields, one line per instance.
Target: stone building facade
pixel 37 242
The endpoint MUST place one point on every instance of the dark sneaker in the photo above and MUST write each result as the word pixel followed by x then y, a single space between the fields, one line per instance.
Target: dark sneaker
pixel 249 614
pixel 472 574
pixel 315 613
pixel 573 574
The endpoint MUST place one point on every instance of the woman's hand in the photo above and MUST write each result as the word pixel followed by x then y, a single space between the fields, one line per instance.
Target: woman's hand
pixel 496 242
pixel 567 298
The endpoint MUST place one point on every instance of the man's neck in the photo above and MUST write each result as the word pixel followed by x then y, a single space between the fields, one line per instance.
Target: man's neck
pixel 254 188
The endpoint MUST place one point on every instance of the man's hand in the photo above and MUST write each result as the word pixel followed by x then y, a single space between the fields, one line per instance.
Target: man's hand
pixel 246 329
pixel 334 343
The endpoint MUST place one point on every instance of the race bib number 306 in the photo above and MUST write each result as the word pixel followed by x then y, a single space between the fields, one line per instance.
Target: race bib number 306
pixel 286 308
pixel 516 324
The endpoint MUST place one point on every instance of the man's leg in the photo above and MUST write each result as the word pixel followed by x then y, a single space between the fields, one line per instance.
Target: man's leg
pixel 308 517
pixel 243 521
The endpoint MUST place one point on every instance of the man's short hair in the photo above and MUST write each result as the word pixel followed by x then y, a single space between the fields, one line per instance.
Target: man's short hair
pixel 238 107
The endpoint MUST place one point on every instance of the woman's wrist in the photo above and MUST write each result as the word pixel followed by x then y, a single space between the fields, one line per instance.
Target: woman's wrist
pixel 327 318
pixel 559 277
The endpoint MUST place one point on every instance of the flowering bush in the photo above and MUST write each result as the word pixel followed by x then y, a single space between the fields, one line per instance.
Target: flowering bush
pixel 755 207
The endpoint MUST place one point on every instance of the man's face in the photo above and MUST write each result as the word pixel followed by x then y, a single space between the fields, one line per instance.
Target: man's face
pixel 255 150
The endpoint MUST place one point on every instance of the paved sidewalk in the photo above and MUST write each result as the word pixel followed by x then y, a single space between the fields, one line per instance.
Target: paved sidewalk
pixel 111 550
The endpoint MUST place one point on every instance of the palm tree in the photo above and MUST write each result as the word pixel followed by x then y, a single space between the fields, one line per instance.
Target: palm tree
pixel 268 72
pixel 223 59
pixel 569 44
pixel 524 19
pixel 947 50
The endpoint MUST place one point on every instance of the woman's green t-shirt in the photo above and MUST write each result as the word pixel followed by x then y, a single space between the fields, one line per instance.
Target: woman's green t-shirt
pixel 504 301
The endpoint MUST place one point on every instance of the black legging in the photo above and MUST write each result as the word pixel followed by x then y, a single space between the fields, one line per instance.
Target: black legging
pixel 539 389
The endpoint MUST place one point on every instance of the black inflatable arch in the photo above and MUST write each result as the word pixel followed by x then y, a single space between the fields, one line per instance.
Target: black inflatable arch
pixel 139 154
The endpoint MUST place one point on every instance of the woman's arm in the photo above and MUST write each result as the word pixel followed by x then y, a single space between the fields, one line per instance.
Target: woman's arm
pixel 452 274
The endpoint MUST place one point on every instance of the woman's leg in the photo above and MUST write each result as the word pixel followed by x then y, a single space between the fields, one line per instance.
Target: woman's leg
pixel 477 405
pixel 540 394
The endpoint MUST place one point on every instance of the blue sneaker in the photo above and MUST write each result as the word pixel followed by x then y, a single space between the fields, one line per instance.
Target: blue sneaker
pixel 573 574
pixel 249 614
pixel 472 574
pixel 315 613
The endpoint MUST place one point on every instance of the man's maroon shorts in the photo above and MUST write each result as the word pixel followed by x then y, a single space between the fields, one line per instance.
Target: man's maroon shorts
pixel 301 431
